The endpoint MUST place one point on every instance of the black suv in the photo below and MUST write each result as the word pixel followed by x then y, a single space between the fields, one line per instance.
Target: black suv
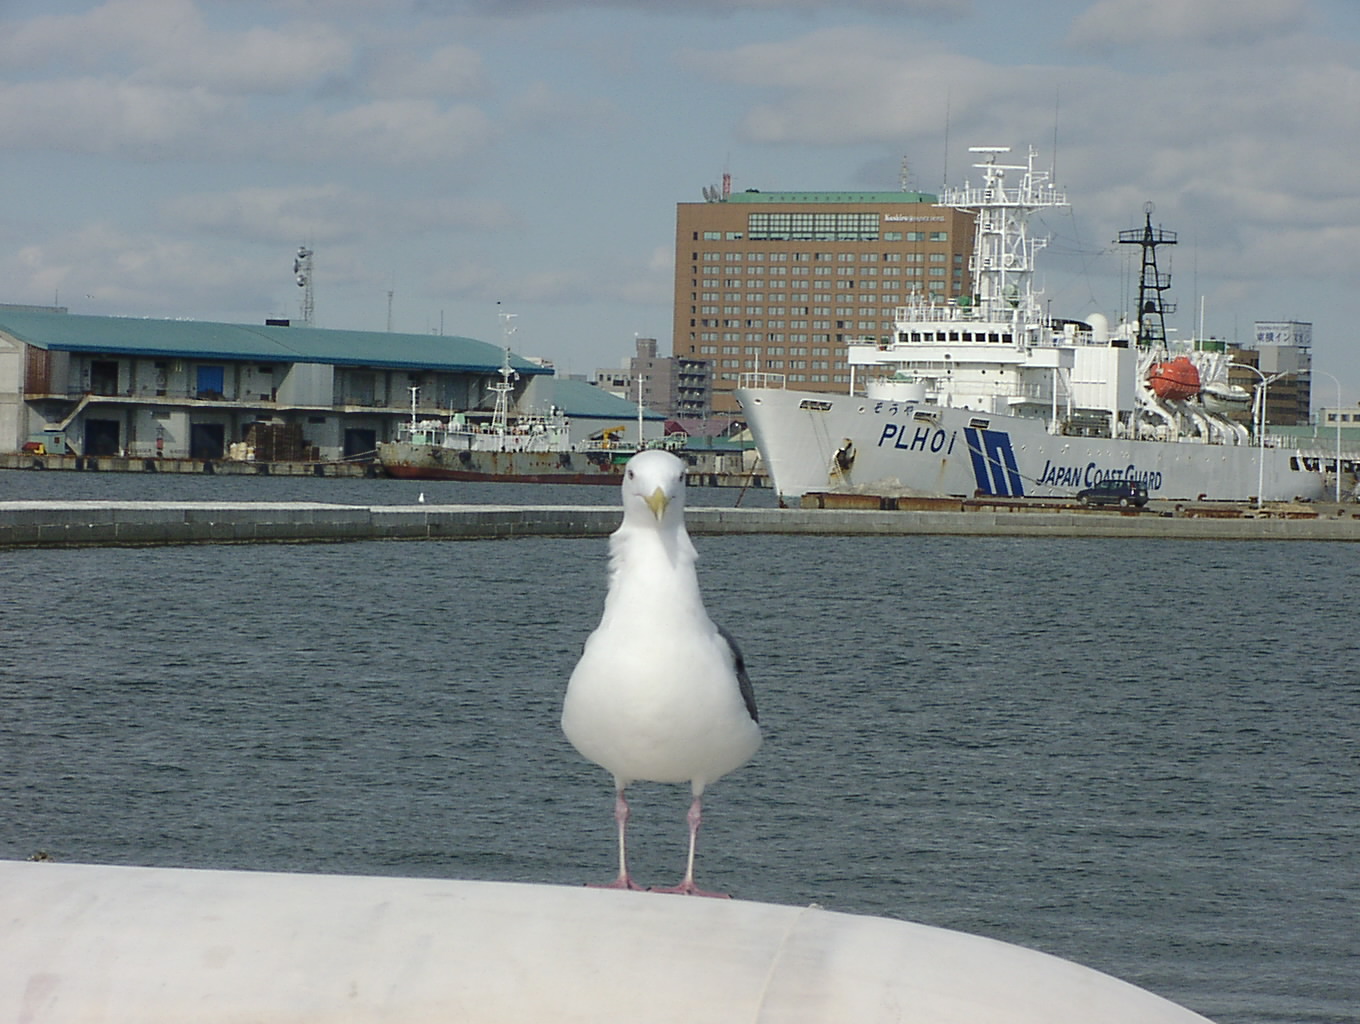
pixel 1114 492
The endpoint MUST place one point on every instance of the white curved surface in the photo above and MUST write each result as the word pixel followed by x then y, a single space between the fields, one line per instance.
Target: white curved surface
pixel 97 945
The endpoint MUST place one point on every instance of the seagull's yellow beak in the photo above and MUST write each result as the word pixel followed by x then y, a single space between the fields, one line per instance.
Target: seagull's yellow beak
pixel 657 502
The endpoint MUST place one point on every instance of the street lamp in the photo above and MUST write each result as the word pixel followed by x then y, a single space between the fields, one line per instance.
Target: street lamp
pixel 1261 427
pixel 1337 416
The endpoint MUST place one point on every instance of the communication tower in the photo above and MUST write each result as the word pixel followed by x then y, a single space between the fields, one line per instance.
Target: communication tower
pixel 302 274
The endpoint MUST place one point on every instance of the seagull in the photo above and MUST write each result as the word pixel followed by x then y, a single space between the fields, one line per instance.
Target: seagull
pixel 660 693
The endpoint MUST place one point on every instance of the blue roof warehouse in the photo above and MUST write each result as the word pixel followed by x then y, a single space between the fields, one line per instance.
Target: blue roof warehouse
pixel 187 389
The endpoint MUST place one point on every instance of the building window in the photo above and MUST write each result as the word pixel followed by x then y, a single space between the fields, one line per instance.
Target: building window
pixel 837 227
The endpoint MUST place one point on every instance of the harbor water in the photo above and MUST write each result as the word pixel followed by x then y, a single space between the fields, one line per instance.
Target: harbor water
pixel 1140 755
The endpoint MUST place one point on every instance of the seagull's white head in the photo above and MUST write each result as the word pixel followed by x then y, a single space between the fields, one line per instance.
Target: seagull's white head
pixel 653 483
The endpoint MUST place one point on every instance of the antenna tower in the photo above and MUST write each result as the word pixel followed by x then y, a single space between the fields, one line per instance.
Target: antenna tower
pixel 302 274
pixel 1152 309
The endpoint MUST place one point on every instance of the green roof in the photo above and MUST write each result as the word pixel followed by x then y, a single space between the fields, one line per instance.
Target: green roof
pixel 194 339
pixel 581 399
pixel 754 196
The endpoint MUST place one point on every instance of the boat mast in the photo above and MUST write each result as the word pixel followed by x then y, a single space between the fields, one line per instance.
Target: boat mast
pixel 500 415
pixel 1152 309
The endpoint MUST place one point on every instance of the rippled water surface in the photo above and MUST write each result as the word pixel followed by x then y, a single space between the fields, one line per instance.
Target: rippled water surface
pixel 1138 755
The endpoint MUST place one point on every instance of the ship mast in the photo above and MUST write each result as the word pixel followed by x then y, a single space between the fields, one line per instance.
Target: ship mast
pixel 1152 308
pixel 1002 264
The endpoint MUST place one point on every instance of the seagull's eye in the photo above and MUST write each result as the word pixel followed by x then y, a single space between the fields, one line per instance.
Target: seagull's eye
pixel 630 474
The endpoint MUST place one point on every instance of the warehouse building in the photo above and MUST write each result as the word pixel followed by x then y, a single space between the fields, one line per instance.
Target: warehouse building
pixel 96 385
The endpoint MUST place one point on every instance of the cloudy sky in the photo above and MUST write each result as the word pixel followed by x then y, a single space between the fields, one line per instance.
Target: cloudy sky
pixel 165 158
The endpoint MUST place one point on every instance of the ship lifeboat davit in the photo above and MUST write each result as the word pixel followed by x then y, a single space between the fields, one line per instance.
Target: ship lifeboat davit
pixel 1176 380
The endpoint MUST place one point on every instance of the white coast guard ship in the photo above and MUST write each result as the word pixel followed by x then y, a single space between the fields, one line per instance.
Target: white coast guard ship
pixel 989 396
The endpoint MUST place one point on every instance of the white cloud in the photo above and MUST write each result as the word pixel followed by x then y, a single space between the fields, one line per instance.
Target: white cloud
pixel 540 107
pixel 98 38
pixel 322 214
pixel 259 61
pixel 841 86
pixel 1123 23
pixel 168 43
pixel 147 123
pixel 648 282
pixel 89 115
pixel 449 71
pixel 395 132
pixel 105 267
pixel 940 9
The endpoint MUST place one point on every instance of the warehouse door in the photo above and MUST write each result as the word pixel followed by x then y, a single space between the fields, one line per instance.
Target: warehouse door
pixel 206 440
pixel 212 381
pixel 101 437
pixel 359 443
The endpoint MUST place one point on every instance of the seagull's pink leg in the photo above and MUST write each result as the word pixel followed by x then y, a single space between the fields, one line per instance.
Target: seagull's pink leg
pixel 687 886
pixel 621 814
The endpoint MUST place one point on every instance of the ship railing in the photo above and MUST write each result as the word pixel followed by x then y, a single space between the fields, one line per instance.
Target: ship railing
pixel 761 379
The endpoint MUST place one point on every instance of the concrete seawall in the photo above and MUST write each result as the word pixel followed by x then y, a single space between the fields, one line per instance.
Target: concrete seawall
pixel 124 523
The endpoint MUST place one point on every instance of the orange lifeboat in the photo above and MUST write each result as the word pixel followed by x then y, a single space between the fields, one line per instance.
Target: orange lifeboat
pixel 1176 379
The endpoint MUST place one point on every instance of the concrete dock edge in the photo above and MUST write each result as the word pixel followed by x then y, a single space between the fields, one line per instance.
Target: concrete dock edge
pixel 42 524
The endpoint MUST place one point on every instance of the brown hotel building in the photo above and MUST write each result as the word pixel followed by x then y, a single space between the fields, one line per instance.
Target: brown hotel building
pixel 781 281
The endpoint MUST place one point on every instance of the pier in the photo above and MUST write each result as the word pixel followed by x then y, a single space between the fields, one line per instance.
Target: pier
pixel 700 475
pixel 42 524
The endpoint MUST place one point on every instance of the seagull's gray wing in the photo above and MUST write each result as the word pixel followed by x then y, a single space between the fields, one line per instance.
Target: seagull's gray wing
pixel 748 693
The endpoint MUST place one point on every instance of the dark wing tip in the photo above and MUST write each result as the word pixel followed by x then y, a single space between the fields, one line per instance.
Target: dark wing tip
pixel 748 693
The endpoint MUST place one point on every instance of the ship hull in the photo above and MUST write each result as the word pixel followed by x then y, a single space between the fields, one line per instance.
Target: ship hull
pixel 431 462
pixel 814 442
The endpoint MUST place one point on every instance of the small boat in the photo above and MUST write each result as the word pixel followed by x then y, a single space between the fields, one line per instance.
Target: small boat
pixel 528 448
pixel 1225 399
